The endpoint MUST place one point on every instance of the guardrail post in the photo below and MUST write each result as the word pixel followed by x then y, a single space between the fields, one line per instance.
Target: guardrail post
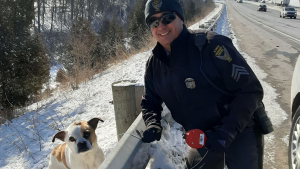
pixel 124 105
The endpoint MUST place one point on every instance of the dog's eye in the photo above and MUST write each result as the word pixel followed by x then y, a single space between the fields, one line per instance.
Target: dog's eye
pixel 86 134
pixel 72 139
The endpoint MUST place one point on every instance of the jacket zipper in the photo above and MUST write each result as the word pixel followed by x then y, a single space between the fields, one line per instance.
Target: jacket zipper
pixel 172 71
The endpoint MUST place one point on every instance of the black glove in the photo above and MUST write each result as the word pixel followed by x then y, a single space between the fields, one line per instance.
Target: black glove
pixel 151 134
pixel 218 141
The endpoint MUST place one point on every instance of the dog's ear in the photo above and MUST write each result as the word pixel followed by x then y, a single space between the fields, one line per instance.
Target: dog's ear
pixel 60 135
pixel 94 122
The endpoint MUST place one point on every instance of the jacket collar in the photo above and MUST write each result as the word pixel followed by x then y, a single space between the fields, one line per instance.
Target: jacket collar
pixel 178 42
pixel 160 53
pixel 181 39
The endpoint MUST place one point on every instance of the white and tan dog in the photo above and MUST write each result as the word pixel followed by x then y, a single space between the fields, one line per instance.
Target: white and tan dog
pixel 80 150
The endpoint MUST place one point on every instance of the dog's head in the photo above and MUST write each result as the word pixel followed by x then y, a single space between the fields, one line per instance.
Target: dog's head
pixel 79 136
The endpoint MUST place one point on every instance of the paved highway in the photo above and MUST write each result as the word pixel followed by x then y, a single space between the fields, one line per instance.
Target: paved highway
pixel 274 44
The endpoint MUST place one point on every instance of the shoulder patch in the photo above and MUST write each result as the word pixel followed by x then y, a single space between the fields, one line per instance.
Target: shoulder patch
pixel 222 53
pixel 238 71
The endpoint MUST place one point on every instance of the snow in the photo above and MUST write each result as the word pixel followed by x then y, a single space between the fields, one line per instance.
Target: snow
pixel 53 72
pixel 26 142
pixel 124 83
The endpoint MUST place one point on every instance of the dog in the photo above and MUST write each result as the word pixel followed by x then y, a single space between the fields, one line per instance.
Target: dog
pixel 80 149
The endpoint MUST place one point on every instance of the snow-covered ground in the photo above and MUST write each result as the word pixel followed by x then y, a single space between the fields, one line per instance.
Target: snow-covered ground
pixel 26 142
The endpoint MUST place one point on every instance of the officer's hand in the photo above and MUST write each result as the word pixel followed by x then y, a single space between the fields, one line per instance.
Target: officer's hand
pixel 218 141
pixel 151 134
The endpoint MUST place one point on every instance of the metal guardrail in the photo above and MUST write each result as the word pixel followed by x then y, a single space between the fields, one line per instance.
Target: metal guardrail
pixel 122 156
pixel 216 20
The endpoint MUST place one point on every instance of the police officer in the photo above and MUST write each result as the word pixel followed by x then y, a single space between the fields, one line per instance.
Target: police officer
pixel 173 76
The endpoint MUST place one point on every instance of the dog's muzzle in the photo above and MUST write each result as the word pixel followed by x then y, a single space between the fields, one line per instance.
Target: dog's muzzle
pixel 82 147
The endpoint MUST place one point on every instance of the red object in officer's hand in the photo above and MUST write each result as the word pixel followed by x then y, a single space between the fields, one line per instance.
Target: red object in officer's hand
pixel 195 138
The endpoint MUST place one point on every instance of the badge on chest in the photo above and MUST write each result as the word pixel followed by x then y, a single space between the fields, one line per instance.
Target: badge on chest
pixel 190 83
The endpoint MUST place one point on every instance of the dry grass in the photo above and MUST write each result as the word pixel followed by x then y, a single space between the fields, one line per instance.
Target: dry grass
pixel 5 115
pixel 83 73
pixel 205 12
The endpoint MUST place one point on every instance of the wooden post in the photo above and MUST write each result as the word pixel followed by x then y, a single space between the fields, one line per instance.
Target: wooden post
pixel 124 105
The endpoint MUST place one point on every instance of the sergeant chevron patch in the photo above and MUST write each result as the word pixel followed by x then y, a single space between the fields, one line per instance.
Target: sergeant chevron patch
pixel 237 71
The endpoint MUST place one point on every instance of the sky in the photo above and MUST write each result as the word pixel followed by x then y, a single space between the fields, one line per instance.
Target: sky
pixel 26 142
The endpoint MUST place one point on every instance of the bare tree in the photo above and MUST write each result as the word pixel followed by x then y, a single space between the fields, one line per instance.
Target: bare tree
pixel 39 15
pixel 44 10
pixel 72 9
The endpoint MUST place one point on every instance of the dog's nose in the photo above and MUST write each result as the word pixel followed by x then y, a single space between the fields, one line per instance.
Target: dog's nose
pixel 82 144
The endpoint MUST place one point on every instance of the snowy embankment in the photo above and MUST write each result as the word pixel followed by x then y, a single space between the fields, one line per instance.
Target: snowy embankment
pixel 26 142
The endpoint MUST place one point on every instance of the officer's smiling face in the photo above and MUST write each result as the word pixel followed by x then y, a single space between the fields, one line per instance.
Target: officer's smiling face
pixel 165 34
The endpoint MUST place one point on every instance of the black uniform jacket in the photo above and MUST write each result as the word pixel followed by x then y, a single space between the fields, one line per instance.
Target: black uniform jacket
pixel 201 106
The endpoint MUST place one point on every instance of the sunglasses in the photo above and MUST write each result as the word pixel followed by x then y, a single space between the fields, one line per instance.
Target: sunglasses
pixel 165 19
